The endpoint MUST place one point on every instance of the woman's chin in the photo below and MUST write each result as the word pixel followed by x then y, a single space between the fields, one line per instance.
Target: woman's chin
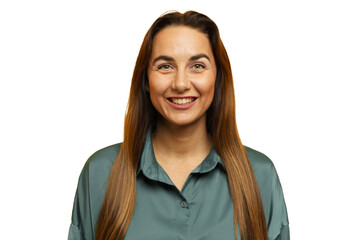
pixel 183 122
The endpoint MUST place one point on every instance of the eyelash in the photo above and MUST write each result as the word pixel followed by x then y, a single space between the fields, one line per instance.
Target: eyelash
pixel 162 66
pixel 198 65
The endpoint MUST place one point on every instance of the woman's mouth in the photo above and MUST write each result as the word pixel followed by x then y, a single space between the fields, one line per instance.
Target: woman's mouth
pixel 182 101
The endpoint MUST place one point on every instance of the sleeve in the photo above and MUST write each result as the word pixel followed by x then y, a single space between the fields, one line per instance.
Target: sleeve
pixel 74 231
pixel 284 233
pixel 81 227
pixel 278 225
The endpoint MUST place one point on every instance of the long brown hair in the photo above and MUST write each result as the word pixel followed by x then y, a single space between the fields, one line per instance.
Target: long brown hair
pixel 119 202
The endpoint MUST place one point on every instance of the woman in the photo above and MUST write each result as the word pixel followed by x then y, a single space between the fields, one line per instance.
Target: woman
pixel 182 171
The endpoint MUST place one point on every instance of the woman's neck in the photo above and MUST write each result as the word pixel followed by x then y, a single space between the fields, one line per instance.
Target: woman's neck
pixel 183 143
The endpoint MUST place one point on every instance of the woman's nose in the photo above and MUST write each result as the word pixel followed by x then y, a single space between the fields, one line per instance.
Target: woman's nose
pixel 181 82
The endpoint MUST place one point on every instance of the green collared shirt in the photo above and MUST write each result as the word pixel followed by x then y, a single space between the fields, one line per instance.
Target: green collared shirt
pixel 203 209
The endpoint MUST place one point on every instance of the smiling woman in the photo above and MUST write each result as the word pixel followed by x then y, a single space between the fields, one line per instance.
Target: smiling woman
pixel 182 76
pixel 182 171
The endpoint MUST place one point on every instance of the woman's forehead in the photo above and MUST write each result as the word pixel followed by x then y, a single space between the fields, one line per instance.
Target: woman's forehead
pixel 180 41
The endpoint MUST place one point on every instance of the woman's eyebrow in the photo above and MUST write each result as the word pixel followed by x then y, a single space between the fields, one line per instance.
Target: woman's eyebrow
pixel 196 57
pixel 193 58
pixel 163 57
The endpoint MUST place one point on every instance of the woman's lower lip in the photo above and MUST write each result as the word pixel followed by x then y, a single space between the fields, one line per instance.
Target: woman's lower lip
pixel 183 106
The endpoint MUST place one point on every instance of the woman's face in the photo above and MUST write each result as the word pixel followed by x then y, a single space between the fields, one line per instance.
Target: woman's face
pixel 182 73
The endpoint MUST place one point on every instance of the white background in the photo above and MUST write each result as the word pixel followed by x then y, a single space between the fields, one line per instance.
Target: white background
pixel 65 70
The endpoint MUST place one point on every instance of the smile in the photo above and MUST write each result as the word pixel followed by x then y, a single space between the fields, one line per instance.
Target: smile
pixel 182 101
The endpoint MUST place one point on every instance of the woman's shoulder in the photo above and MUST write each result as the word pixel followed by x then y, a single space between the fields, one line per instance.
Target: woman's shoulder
pixel 104 156
pixel 264 171
pixel 259 161
pixel 97 168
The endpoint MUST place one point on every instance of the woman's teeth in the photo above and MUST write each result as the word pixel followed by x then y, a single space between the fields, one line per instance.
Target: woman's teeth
pixel 182 101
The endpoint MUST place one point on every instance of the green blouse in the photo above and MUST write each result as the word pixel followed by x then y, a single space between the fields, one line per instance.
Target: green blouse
pixel 203 209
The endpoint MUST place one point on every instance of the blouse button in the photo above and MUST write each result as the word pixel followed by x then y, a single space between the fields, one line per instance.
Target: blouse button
pixel 183 204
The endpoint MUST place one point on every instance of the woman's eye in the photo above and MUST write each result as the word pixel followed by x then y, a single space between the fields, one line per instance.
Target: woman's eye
pixel 164 67
pixel 198 66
